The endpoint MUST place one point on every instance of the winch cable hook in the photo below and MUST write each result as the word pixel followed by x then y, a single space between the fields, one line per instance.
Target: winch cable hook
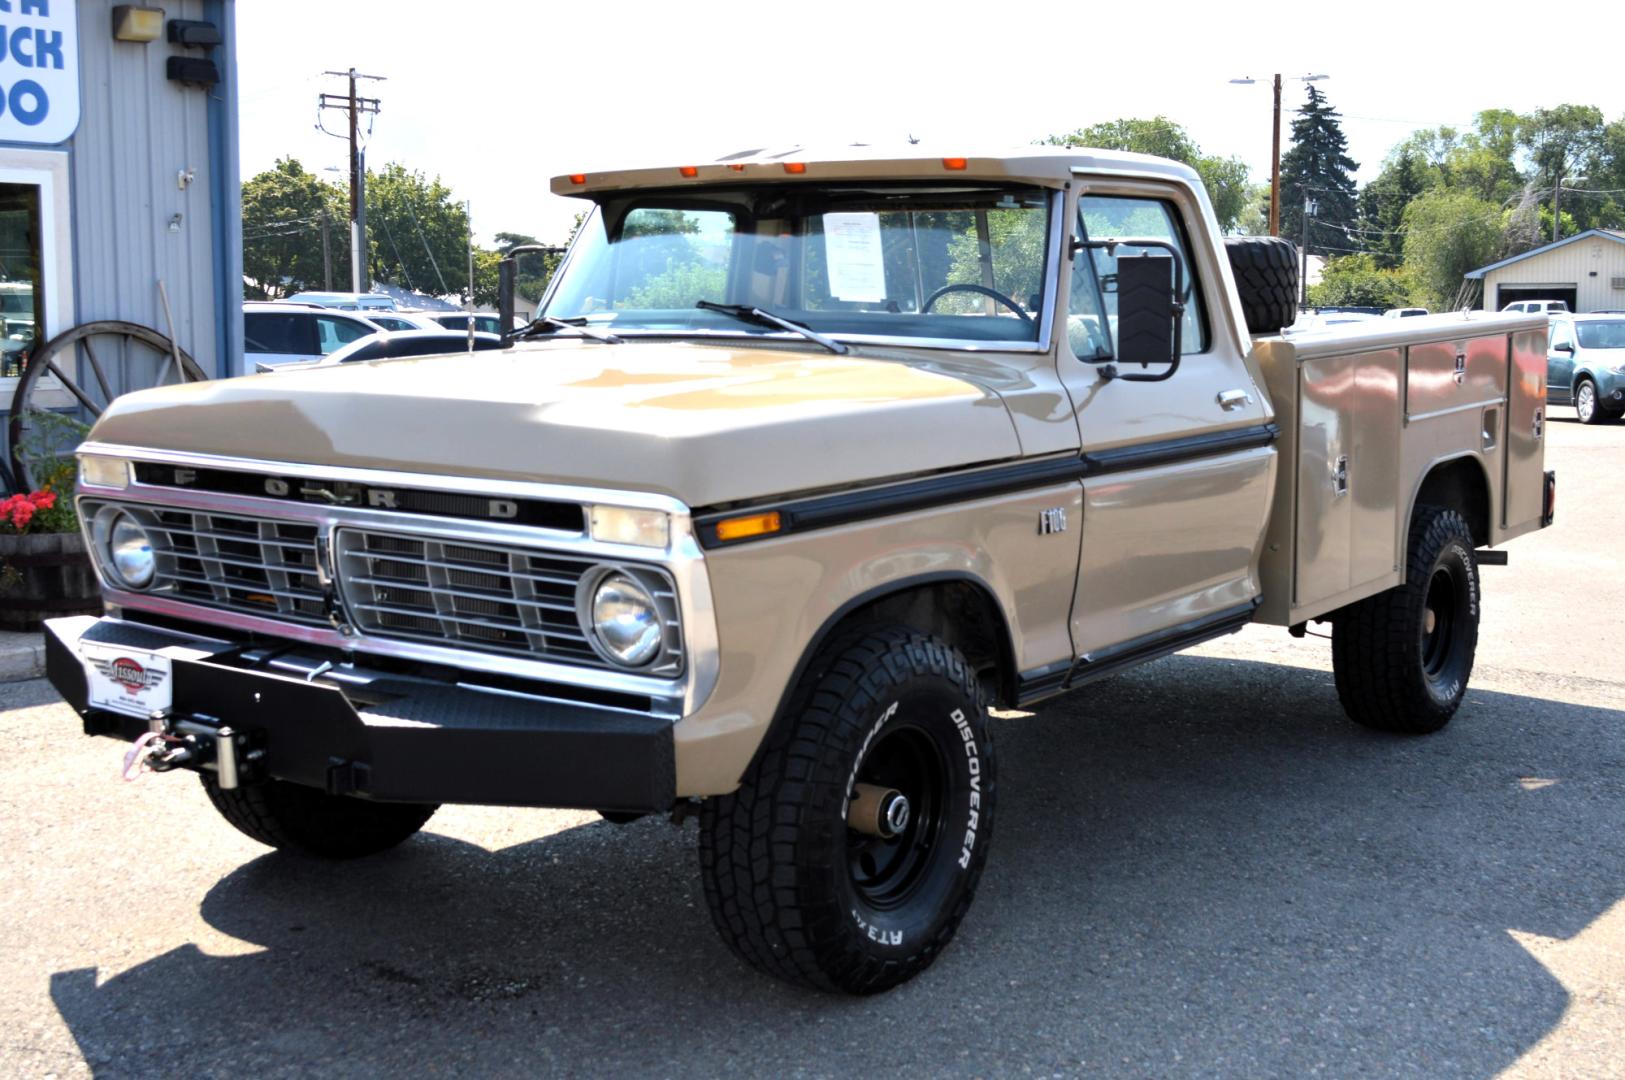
pixel 138 759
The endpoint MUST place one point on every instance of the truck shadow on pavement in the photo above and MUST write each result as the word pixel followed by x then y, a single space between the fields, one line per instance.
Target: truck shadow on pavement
pixel 1200 867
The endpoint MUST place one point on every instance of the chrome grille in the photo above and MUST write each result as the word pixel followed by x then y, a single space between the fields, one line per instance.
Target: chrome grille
pixel 259 566
pixel 520 601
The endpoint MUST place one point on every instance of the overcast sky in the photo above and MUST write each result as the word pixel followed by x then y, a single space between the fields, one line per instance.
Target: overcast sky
pixel 497 96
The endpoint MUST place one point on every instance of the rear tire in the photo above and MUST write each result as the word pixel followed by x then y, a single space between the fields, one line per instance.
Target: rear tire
pixel 1266 273
pixel 797 892
pixel 293 817
pixel 1402 658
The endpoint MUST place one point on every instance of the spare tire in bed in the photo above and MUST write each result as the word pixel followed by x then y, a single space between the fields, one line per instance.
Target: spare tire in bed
pixel 1266 273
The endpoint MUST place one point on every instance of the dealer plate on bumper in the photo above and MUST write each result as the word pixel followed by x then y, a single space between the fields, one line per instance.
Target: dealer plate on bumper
pixel 132 681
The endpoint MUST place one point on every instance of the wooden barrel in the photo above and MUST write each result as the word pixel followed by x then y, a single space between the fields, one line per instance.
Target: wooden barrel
pixel 45 575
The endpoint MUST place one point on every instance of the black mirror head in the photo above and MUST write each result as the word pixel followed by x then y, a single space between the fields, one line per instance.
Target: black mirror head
pixel 1145 309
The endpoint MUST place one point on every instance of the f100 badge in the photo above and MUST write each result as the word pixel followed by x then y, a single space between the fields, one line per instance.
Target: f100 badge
pixel 1052 520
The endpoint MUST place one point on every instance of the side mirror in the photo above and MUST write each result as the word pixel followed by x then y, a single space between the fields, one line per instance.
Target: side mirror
pixel 1563 347
pixel 1150 308
pixel 507 275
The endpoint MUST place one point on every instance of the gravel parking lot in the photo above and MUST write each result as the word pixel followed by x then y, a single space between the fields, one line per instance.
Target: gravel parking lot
pixel 1201 869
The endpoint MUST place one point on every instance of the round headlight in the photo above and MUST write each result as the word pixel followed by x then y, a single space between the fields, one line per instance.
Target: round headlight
pixel 626 621
pixel 131 549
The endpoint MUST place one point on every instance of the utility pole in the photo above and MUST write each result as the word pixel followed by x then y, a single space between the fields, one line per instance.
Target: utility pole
pixel 327 255
pixel 353 106
pixel 1557 200
pixel 468 213
pixel 1275 144
pixel 1275 164
pixel 1309 207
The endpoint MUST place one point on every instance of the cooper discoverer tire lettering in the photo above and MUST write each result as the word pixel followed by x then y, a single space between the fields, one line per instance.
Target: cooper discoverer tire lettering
pixel 1402 657
pixel 798 892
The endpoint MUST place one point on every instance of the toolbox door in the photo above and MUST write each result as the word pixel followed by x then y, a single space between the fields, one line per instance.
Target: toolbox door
pixel 1525 458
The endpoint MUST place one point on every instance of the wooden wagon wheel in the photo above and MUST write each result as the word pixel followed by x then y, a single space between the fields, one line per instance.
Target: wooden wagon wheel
pixel 81 371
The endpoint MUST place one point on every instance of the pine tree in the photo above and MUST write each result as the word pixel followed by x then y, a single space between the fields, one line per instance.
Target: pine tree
pixel 1318 166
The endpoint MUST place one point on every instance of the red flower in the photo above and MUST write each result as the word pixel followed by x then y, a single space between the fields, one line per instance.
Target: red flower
pixel 20 509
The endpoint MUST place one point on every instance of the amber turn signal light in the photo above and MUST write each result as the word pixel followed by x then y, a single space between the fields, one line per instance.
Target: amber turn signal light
pixel 742 528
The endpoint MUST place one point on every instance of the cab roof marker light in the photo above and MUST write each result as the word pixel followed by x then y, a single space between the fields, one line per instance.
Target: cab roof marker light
pixel 736 168
pixel 578 178
pixel 958 164
pixel 795 168
pixel 689 171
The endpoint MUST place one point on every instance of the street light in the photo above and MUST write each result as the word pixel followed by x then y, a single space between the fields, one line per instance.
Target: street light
pixel 1557 198
pixel 1275 144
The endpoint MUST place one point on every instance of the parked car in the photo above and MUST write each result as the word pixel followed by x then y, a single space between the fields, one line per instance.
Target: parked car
pixel 282 332
pixel 1585 365
pixel 1404 312
pixel 484 322
pixel 1311 321
pixel 346 301
pixel 390 344
pixel 1537 307
pixel 402 320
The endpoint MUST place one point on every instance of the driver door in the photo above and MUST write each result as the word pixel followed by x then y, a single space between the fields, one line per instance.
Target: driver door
pixel 1179 472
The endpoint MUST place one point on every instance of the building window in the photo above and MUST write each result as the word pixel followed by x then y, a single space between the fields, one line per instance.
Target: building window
pixel 22 306
pixel 36 264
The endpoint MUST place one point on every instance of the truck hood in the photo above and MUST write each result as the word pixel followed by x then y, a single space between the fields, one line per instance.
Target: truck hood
pixel 703 423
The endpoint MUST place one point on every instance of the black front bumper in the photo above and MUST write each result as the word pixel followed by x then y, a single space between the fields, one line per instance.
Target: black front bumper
pixel 397 739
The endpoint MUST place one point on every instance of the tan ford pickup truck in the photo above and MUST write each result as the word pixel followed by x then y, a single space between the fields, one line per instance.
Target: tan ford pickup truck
pixel 807 462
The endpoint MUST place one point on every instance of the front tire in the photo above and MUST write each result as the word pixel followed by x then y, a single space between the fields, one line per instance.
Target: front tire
pixel 1586 404
pixel 308 821
pixel 1402 658
pixel 797 892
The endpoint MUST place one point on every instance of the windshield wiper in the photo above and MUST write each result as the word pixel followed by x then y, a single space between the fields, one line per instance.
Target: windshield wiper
pixel 547 324
pixel 767 318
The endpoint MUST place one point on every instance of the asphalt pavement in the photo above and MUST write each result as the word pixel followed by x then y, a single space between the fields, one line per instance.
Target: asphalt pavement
pixel 1200 869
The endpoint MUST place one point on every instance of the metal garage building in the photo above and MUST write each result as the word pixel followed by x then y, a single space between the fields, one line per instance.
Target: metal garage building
pixel 1586 271
pixel 118 171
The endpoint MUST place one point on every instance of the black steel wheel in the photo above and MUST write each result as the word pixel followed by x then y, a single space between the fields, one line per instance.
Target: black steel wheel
pixel 852 849
pixel 68 382
pixel 1402 658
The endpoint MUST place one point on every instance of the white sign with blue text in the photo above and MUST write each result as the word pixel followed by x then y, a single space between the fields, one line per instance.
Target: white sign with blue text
pixel 39 70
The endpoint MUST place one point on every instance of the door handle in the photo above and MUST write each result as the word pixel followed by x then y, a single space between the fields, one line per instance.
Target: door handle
pixel 1234 399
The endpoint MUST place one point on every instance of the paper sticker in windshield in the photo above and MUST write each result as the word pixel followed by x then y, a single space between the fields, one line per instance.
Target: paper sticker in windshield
pixel 857 269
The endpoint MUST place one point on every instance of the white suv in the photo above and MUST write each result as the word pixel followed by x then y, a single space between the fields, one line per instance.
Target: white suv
pixel 282 333
pixel 1538 307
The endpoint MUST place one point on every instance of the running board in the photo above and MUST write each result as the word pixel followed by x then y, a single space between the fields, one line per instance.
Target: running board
pixel 1041 684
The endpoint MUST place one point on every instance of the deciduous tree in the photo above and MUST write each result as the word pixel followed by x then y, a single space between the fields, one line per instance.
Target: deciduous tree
pixel 1224 178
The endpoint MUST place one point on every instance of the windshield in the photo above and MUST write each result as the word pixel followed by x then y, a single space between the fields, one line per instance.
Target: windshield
pixel 1601 335
pixel 960 264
